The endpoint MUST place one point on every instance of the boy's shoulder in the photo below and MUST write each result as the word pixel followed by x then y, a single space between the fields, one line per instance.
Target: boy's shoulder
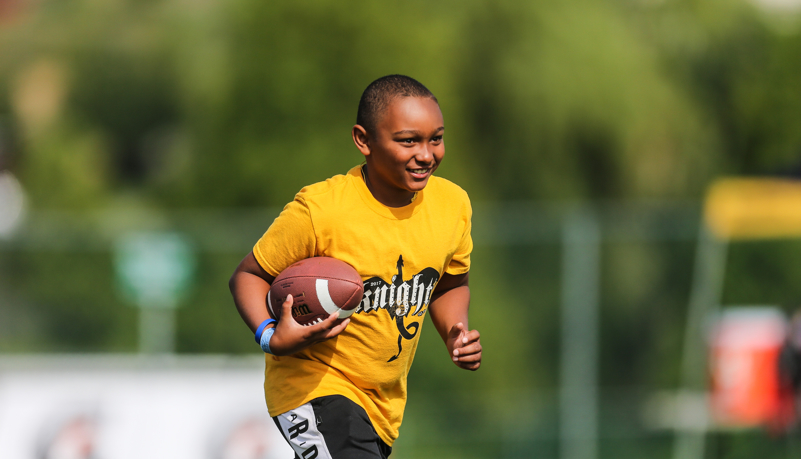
pixel 327 186
pixel 443 188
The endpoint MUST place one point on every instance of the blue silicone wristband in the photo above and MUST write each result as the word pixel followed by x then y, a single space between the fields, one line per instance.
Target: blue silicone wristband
pixel 265 340
pixel 261 328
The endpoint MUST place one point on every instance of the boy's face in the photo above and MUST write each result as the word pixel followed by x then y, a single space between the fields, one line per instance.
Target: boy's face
pixel 405 149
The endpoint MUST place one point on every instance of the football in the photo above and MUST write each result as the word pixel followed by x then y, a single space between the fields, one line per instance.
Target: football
pixel 319 287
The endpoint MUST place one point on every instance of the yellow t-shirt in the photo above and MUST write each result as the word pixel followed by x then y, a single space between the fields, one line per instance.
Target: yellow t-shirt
pixel 400 254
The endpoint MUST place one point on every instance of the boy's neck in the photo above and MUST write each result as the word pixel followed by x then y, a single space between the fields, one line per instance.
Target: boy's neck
pixel 387 197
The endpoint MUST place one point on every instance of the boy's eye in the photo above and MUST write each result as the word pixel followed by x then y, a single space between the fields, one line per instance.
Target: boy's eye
pixel 409 141
pixel 437 139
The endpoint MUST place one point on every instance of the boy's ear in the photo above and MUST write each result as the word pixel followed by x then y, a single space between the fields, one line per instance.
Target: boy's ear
pixel 361 139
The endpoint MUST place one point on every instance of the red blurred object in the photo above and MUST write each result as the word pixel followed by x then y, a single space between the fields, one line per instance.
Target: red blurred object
pixel 12 10
pixel 745 387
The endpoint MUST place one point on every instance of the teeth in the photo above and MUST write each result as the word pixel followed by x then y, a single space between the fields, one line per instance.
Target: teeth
pixel 419 171
pixel 317 321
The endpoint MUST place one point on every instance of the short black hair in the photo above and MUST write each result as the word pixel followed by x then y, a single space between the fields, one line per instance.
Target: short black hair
pixel 380 93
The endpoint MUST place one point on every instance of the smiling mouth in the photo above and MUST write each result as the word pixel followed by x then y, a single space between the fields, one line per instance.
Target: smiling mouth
pixel 420 171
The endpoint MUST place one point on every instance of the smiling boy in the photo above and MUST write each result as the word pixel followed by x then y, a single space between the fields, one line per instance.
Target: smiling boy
pixel 337 389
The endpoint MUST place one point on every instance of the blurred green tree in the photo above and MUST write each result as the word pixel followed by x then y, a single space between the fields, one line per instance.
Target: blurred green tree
pixel 150 107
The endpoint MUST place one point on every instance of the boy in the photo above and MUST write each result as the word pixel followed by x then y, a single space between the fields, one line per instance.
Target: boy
pixel 337 389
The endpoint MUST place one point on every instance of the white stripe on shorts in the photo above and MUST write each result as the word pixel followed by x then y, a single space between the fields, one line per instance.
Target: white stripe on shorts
pixel 299 426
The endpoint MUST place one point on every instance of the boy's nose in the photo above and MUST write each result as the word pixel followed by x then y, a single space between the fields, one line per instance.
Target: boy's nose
pixel 425 155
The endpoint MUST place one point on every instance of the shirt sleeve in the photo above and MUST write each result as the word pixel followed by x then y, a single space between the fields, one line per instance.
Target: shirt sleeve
pixel 288 240
pixel 460 262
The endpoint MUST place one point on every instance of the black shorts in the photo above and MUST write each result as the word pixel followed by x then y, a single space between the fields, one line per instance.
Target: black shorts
pixel 331 427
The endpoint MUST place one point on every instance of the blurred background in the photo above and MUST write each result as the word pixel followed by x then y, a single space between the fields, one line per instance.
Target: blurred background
pixel 146 145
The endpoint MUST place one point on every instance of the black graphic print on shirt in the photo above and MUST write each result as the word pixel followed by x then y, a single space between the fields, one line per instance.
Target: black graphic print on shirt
pixel 401 299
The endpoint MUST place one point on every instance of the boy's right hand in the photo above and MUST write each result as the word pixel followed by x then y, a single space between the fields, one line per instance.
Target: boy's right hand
pixel 291 337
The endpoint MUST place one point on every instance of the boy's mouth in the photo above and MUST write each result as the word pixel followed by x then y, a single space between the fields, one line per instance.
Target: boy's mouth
pixel 420 173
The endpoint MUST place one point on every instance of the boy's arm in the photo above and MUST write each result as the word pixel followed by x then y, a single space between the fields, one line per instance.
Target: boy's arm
pixel 249 286
pixel 449 304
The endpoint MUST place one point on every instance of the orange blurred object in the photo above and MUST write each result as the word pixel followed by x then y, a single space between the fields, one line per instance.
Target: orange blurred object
pixel 745 346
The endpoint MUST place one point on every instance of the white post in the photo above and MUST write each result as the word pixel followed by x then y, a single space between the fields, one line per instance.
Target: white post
pixel 578 433
pixel 705 297
pixel 154 270
pixel 156 330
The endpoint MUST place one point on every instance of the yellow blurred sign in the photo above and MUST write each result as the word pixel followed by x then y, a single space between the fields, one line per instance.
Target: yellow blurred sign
pixel 738 208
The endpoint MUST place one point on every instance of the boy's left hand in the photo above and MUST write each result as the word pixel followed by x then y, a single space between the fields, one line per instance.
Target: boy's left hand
pixel 464 347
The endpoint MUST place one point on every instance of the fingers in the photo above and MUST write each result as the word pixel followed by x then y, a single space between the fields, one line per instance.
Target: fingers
pixel 469 358
pixel 467 350
pixel 328 328
pixel 286 307
pixel 327 324
pixel 469 366
pixel 291 337
pixel 466 338
pixel 337 329
pixel 473 348
pixel 456 330
pixel 470 337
